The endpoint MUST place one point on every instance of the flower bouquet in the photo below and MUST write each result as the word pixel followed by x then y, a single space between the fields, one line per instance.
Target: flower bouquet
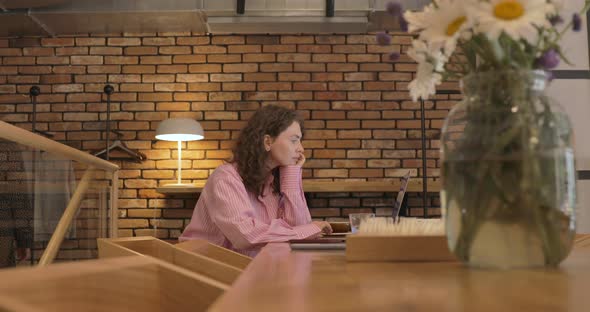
pixel 508 177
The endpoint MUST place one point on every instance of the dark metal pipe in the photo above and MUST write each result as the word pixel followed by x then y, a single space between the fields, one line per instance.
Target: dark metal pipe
pixel 241 7
pixel 330 8
pixel 424 178
pixel 108 90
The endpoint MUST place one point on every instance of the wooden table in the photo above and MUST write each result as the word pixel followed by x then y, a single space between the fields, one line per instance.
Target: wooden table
pixel 283 280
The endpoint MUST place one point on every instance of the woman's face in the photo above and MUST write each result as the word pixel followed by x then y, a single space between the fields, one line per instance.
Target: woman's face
pixel 286 148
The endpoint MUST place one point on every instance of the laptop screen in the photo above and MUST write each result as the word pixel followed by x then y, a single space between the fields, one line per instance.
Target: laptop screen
pixel 400 195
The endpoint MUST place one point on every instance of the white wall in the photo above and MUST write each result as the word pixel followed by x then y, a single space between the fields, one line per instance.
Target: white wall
pixel 574 96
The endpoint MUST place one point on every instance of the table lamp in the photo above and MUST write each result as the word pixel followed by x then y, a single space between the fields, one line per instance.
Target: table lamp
pixel 180 130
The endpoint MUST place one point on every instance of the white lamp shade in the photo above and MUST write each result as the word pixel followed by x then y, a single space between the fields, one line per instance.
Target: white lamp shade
pixel 179 129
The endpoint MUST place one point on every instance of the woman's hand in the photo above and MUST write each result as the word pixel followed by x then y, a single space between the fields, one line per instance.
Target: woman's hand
pixel 301 160
pixel 325 226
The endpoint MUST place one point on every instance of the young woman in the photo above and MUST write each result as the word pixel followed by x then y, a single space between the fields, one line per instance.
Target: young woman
pixel 257 198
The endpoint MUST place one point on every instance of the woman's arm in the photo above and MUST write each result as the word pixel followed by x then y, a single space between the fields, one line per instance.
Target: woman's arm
pixel 229 206
pixel 294 206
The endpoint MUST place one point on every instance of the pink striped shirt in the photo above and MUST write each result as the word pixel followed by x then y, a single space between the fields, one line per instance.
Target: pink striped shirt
pixel 230 216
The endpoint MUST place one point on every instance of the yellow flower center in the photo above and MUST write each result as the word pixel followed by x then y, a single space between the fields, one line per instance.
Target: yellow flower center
pixel 508 10
pixel 455 25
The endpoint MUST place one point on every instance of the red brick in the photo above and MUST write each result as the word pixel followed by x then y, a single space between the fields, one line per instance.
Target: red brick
pixel 274 86
pixel 172 69
pixel 192 40
pixel 240 68
pixel 364 95
pixel 90 41
pixel 156 60
pixel 192 78
pixel 158 78
pixel 329 58
pixel 239 86
pixel 51 60
pixel 189 59
pixel 49 79
pixel 28 52
pixel 141 50
pixel 158 41
pixel 121 60
pixel 310 86
pixel 244 49
pixel 363 58
pixel 19 60
pixel 228 40
pixel 225 96
pixel 204 86
pixel 224 58
pixel 103 50
pixel 11 70
pixel 282 48
pixel 175 50
pixel 226 77
pixel 155 97
pixel 297 39
pixel 170 87
pixel 139 69
pixel 259 58
pixel 309 67
pixel 57 42
pixel 342 67
pixel 137 87
pixel 294 57
pixel 190 96
pixel 276 67
pixel 330 95
pixel 86 60
pixel 209 49
pixel 104 69
pixel 124 41
pixel 205 68
pixel 314 48
pixel 263 39
pixel 260 77
pixel 253 96
pixel 173 106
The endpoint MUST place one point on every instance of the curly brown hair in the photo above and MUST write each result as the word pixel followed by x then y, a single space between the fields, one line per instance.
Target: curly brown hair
pixel 249 153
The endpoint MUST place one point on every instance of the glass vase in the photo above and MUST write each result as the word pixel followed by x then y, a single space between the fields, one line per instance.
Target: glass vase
pixel 508 177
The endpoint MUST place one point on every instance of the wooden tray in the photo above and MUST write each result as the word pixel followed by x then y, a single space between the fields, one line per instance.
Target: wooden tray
pixel 121 284
pixel 153 247
pixel 397 248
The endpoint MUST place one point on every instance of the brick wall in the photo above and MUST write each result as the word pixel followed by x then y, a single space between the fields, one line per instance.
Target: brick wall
pixel 360 122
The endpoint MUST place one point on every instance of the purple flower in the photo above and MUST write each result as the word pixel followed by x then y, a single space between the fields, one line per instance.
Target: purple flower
pixel 576 22
pixel 549 59
pixel 393 8
pixel 394 56
pixel 555 19
pixel 383 38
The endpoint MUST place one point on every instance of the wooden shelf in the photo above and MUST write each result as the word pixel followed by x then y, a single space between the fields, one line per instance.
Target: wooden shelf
pixel 324 187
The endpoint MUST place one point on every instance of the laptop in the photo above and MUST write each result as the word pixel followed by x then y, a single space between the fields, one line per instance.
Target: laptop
pixel 397 205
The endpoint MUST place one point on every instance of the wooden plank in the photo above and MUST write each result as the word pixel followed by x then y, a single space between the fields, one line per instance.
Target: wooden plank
pixel 213 251
pixel 397 248
pixel 153 247
pixel 119 284
pixel 415 185
pixel 280 279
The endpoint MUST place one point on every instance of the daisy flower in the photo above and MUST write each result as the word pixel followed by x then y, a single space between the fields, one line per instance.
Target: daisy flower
pixel 516 18
pixel 442 25
pixel 431 63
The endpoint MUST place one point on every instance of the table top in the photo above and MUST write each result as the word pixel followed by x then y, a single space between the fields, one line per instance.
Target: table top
pixel 279 279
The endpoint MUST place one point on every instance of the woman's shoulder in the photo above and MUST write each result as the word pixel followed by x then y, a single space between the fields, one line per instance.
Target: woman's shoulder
pixel 225 171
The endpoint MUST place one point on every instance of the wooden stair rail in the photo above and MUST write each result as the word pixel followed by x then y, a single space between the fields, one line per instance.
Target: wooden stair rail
pixel 66 219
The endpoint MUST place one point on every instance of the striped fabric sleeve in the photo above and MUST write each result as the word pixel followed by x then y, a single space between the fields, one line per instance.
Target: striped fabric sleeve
pixel 228 205
pixel 295 211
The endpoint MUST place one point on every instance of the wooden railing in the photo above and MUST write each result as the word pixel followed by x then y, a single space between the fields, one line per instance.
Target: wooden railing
pixel 37 142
